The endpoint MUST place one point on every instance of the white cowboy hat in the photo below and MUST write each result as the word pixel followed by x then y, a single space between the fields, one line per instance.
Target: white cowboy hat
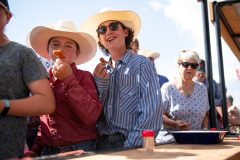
pixel 147 53
pixel 129 18
pixel 39 36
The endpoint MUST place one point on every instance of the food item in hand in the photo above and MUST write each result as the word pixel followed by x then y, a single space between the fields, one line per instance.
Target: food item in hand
pixel 102 60
pixel 108 67
pixel 58 54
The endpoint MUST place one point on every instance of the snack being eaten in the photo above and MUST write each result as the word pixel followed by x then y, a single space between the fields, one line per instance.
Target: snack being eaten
pixel 58 54
pixel 107 66
pixel 102 60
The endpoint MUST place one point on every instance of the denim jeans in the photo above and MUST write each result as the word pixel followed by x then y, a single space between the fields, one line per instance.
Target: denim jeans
pixel 89 145
pixel 111 142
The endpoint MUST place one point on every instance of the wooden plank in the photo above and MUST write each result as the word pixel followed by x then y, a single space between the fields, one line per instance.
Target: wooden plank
pixel 232 15
pixel 229 148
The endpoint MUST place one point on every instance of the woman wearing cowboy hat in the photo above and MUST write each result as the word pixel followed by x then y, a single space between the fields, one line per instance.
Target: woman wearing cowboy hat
pixel 127 84
pixel 73 125
pixel 21 73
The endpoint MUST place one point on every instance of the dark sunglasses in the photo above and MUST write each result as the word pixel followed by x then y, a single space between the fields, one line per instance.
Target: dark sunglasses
pixel 112 26
pixel 187 64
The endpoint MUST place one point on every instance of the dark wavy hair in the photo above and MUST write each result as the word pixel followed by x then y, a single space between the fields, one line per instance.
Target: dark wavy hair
pixel 128 40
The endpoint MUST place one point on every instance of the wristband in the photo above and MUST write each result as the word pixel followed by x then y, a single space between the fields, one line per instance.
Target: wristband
pixel 6 107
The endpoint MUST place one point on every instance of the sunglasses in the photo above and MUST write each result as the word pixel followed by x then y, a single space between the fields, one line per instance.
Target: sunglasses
pixel 187 64
pixel 112 26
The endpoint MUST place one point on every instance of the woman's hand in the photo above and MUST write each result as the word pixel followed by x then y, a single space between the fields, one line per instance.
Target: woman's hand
pixel 175 124
pixel 181 125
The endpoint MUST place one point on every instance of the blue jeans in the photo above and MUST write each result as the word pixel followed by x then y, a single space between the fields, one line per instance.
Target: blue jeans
pixel 111 142
pixel 89 145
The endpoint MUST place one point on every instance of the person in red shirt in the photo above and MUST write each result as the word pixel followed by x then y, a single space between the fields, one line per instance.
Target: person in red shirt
pixel 73 125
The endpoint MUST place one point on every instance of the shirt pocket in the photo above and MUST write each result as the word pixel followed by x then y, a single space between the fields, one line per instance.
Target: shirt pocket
pixel 129 99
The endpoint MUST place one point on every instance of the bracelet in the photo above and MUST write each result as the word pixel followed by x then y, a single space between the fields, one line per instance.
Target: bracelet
pixel 6 107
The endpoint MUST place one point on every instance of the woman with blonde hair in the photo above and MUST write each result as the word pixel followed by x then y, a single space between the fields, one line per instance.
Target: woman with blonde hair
pixel 185 101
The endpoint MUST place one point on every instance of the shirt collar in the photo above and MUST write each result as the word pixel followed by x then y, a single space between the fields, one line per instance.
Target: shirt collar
pixel 127 56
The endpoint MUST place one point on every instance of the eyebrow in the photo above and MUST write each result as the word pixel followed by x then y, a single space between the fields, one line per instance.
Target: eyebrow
pixel 69 42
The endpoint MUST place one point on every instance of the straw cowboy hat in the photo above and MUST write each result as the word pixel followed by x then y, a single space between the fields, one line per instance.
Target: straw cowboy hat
pixel 39 36
pixel 129 18
pixel 147 53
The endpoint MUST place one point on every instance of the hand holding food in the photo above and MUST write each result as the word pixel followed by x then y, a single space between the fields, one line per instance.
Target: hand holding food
pixel 61 70
pixel 102 60
pixel 101 69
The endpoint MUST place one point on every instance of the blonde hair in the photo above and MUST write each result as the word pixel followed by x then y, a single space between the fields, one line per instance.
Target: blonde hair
pixel 188 54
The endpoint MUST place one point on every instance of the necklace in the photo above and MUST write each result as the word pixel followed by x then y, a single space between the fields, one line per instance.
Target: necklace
pixel 186 91
pixel 188 95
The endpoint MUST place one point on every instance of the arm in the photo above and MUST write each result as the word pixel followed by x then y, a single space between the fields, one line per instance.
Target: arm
pixel 205 121
pixel 217 94
pixel 176 124
pixel 41 102
pixel 82 97
pixel 149 107
pixel 101 77
pixel 169 121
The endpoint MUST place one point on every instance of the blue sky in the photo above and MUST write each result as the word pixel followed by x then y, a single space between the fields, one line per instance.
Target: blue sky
pixel 168 26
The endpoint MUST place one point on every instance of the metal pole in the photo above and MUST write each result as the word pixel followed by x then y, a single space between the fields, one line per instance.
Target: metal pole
pixel 220 64
pixel 208 59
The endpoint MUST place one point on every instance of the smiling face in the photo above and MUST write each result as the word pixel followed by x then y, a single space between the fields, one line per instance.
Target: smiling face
pixel 69 47
pixel 113 38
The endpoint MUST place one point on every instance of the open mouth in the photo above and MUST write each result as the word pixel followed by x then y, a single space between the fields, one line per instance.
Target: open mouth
pixel 110 39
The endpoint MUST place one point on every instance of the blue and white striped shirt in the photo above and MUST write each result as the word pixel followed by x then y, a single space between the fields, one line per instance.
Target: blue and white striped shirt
pixel 131 99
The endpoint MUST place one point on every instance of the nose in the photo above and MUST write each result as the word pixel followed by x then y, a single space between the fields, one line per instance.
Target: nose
pixel 108 31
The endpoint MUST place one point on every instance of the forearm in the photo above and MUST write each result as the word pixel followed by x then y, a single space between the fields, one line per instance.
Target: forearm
pixel 169 122
pixel 102 84
pixel 41 102
pixel 102 87
pixel 205 122
pixel 31 106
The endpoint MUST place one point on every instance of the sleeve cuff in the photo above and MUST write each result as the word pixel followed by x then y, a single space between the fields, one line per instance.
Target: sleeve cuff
pixel 102 84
